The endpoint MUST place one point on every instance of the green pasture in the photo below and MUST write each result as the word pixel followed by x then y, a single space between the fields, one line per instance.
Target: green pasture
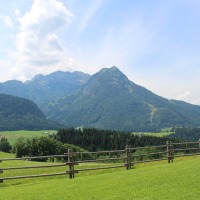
pixel 157 134
pixel 13 136
pixel 158 180
pixel 162 133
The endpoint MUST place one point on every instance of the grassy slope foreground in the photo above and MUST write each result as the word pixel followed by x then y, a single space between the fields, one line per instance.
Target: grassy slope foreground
pixel 179 180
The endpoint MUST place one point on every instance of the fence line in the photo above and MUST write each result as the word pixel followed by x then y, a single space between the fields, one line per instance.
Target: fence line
pixel 129 156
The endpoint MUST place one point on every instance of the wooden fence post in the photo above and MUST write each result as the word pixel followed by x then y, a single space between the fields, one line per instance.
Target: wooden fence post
pixel 71 163
pixel 168 152
pixel 199 143
pixel 127 157
pixel 1 171
pixel 1 179
pixel 172 152
pixel 170 156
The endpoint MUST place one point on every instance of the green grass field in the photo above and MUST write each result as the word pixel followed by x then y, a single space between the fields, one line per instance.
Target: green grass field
pixel 157 134
pixel 163 132
pixel 158 180
pixel 12 136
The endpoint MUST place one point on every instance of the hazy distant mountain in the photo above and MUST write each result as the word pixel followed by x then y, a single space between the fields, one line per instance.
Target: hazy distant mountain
pixel 21 114
pixel 110 101
pixel 42 89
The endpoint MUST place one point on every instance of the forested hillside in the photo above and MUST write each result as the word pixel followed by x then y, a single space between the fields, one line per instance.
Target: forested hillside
pixel 109 100
pixel 19 114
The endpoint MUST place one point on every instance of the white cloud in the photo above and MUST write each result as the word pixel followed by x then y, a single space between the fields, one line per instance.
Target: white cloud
pixel 38 47
pixel 8 21
pixel 17 12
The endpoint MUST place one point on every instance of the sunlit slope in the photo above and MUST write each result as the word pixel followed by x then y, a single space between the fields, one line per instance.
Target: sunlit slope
pixel 179 180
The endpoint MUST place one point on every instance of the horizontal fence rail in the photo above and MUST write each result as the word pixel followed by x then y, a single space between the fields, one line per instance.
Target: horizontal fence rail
pixel 125 158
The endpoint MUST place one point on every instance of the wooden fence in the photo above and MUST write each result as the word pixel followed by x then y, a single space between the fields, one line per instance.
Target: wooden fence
pixel 125 158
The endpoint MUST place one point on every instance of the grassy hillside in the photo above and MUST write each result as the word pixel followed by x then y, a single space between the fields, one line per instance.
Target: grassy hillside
pixel 12 136
pixel 179 180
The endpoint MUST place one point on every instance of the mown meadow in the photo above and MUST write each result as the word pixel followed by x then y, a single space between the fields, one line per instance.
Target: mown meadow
pixel 158 180
pixel 13 136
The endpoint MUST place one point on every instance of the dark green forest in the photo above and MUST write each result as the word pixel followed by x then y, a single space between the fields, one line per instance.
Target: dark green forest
pixel 93 139
pixel 188 134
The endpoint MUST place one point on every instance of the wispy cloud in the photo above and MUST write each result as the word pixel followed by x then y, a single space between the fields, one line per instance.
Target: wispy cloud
pixel 88 14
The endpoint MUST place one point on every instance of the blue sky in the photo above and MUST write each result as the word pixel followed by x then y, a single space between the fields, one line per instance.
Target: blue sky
pixel 155 43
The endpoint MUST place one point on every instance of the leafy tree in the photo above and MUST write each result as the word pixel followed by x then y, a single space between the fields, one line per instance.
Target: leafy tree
pixel 41 146
pixel 5 145
pixel 20 148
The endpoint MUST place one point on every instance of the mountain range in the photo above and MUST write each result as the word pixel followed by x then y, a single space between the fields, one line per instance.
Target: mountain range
pixel 43 89
pixel 106 100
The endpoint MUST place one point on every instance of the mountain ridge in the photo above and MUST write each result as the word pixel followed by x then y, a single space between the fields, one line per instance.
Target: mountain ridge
pixel 109 94
pixel 109 100
pixel 44 88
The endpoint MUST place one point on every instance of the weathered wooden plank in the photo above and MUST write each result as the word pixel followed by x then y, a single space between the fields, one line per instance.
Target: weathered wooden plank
pixel 98 152
pixel 185 143
pixel 185 149
pixel 98 160
pixel 149 147
pixel 153 160
pixel 35 157
pixel 35 176
pixel 34 167
pixel 138 155
pixel 100 168
pixel 182 155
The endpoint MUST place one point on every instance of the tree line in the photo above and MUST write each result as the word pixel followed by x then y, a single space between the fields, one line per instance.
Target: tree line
pixel 188 134
pixel 81 140
pixel 93 139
